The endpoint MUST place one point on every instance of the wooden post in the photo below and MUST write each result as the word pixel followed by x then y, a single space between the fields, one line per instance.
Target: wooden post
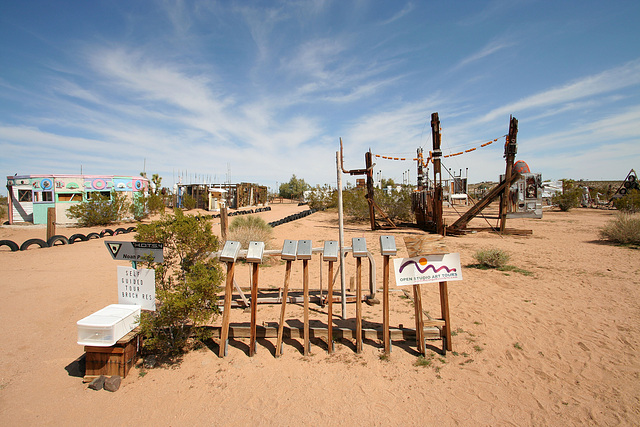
pixel 417 305
pixel 510 151
pixel 385 306
pixel 51 223
pixel 228 294
pixel 287 276
pixel 358 305
pixel 444 310
pixel 437 176
pixel 330 310
pixel 305 290
pixel 254 308
pixel 370 194
pixel 224 223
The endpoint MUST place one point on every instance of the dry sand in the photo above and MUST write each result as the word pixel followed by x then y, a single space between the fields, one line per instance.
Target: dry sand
pixel 559 347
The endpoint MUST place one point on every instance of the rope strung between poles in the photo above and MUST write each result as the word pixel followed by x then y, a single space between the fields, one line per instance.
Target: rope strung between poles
pixel 430 158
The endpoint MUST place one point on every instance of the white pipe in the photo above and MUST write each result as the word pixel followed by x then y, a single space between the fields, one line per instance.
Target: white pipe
pixel 343 291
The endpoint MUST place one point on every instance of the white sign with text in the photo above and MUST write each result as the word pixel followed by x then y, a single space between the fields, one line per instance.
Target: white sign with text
pixel 137 286
pixel 427 269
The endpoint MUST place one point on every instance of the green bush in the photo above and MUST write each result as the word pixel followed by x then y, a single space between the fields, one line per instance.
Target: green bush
pixel 492 258
pixel 629 203
pixel 245 229
pixel 625 229
pixel 187 283
pixel 567 200
pixel 100 210
pixel 188 202
pixel 396 204
pixel 145 205
pixel 355 204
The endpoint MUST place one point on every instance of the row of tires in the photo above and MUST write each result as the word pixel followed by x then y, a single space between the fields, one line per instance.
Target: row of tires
pixel 292 217
pixel 235 213
pixel 59 240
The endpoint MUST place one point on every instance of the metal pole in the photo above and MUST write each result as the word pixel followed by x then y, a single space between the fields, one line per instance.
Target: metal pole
pixel 343 293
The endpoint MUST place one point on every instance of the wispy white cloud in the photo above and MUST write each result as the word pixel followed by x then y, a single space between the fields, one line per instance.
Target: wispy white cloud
pixel 489 49
pixel 404 11
pixel 605 82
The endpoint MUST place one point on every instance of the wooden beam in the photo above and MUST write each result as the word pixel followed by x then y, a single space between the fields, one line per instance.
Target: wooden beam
pixel 243 330
pixel 475 210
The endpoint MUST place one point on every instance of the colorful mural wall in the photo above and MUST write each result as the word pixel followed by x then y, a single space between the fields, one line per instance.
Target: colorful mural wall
pixel 29 196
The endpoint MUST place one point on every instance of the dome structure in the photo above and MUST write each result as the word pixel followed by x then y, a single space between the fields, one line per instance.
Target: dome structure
pixel 521 167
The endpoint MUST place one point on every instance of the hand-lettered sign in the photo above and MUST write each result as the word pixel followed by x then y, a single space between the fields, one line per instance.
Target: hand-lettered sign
pixel 137 286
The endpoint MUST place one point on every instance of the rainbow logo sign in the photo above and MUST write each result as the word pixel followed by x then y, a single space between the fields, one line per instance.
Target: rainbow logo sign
pixel 427 269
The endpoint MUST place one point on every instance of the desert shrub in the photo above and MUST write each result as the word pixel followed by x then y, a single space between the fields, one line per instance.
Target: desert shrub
pixel 568 199
pixel 492 258
pixel 187 283
pixel 100 210
pixel 3 207
pixel 624 229
pixel 630 203
pixel 355 204
pixel 396 204
pixel 320 198
pixel 245 229
pixel 188 202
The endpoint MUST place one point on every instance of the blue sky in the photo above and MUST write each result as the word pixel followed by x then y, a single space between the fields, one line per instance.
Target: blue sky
pixel 259 91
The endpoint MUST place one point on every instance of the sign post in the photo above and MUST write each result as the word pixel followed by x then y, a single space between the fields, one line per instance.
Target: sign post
pixel 438 268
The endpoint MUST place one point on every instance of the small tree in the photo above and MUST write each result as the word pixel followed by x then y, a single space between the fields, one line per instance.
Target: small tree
pixel 100 210
pixel 294 189
pixel 145 205
pixel 187 282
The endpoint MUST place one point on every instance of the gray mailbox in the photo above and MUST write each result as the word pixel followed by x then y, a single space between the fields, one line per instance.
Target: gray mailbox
pixel 289 249
pixel 304 249
pixel 330 250
pixel 388 245
pixel 255 251
pixel 359 245
pixel 230 251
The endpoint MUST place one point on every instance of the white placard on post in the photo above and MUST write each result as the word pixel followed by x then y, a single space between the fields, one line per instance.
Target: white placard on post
pixel 427 269
pixel 137 286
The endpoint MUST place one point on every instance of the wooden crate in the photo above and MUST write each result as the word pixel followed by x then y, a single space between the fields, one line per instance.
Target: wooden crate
pixel 115 360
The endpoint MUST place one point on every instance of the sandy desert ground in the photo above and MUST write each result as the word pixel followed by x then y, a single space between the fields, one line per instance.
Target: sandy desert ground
pixel 558 347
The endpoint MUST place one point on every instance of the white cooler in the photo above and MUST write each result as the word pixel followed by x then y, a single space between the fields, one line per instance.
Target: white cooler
pixel 105 327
